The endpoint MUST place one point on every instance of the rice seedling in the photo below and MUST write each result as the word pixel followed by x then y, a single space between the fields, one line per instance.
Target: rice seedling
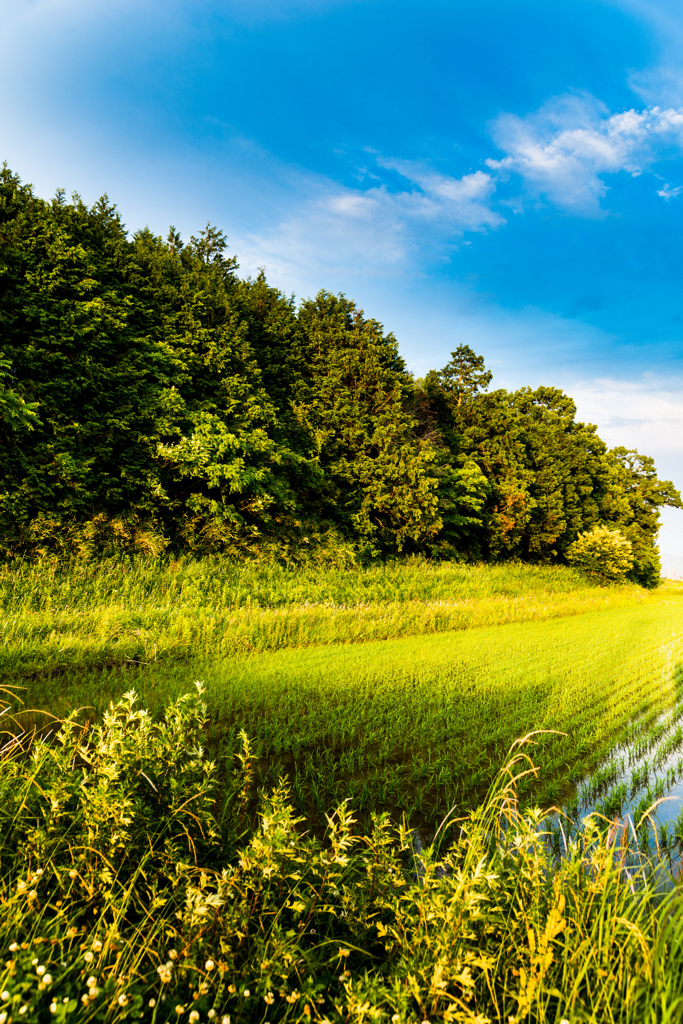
pixel 610 806
pixel 665 834
pixel 678 828
pixel 639 777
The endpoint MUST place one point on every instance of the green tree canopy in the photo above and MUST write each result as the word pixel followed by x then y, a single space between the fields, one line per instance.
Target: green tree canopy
pixel 150 397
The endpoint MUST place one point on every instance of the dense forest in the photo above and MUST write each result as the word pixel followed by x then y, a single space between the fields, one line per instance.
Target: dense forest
pixel 152 399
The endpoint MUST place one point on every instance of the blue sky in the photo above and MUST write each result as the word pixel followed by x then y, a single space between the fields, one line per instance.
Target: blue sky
pixel 506 175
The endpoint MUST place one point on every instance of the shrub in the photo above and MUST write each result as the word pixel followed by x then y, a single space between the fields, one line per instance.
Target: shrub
pixel 603 554
pixel 166 908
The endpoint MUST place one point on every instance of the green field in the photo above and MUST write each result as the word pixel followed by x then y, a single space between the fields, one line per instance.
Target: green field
pixel 91 616
pixel 410 725
pixel 153 868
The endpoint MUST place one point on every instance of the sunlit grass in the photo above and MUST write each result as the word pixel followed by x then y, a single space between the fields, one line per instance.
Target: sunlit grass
pixel 418 724
pixel 90 616
pixel 141 880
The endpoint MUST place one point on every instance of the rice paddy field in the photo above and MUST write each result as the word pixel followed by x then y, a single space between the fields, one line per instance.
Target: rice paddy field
pixel 400 687
pixel 266 846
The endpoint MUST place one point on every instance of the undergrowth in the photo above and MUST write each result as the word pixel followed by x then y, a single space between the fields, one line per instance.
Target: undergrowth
pixel 135 885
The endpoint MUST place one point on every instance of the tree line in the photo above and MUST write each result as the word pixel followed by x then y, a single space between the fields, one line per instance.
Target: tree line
pixel 151 398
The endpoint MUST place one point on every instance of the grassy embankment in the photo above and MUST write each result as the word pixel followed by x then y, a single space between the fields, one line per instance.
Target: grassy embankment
pixel 103 614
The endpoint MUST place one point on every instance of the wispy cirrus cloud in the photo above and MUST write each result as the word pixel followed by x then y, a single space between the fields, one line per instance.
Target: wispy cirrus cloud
pixel 645 413
pixel 669 192
pixel 561 154
pixel 376 228
pixel 462 203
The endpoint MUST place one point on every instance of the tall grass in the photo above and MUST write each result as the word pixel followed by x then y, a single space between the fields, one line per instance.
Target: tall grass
pixel 130 892
pixel 85 616
pixel 217 581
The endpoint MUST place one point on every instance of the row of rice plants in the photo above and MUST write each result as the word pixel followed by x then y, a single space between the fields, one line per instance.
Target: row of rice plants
pixel 641 784
pixel 416 725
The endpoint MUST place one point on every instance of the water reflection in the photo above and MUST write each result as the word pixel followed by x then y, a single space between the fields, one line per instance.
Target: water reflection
pixel 639 789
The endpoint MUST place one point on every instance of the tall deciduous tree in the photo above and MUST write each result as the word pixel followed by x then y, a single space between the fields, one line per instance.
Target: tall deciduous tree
pixel 638 497
pixel 547 476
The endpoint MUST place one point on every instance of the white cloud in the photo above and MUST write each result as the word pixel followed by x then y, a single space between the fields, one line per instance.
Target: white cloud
pixel 646 414
pixel 463 202
pixel 662 84
pixel 668 192
pixel 563 150
pixel 375 229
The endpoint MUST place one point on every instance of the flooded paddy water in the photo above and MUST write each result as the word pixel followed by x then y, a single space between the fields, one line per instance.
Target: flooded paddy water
pixel 637 791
